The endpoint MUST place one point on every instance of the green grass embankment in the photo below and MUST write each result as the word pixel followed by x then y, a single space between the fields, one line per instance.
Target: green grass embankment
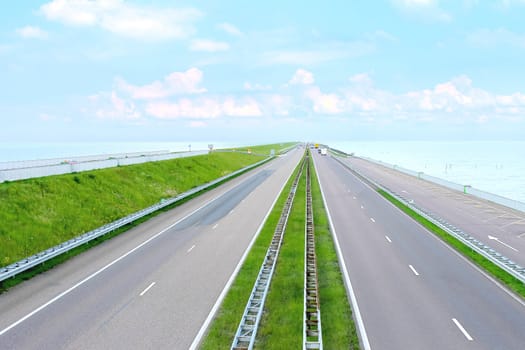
pixel 265 149
pixel 36 214
pixel 495 271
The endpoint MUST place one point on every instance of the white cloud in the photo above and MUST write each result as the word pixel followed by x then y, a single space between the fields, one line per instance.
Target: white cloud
pixel 248 107
pixel 230 29
pixel 208 45
pixel 111 106
pixel 175 83
pixel 204 108
pixel 423 9
pixel 118 17
pixel 31 32
pixel 492 37
pixel 324 103
pixel 302 77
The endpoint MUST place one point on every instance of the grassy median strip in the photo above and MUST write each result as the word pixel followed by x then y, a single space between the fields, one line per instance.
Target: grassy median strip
pixel 495 271
pixel 339 331
pixel 222 330
pixel 282 322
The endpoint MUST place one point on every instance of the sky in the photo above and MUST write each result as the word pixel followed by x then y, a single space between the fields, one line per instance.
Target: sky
pixel 261 71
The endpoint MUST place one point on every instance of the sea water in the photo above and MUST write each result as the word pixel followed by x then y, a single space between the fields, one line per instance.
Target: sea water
pixel 494 166
pixel 32 151
pixel 497 167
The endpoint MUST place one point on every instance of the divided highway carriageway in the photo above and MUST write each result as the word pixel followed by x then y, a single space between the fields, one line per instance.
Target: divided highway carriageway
pixel 410 290
pixel 152 287
pixel 156 286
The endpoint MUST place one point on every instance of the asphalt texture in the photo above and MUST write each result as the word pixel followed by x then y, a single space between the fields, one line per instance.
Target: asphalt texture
pixel 478 217
pixel 151 287
pixel 413 291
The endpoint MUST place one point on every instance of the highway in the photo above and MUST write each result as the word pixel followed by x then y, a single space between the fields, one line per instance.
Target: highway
pixel 499 227
pixel 411 290
pixel 152 287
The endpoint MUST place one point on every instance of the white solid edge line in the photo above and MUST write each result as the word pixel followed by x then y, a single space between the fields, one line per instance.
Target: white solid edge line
pixel 413 270
pixel 94 274
pixel 458 254
pixel 353 299
pixel 148 288
pixel 465 333
pixel 215 308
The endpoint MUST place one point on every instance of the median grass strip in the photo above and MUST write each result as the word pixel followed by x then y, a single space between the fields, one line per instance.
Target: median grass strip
pixel 495 271
pixel 222 330
pixel 282 322
pixel 339 331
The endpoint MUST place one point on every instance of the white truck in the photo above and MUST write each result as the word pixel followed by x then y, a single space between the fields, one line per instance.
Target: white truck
pixel 324 151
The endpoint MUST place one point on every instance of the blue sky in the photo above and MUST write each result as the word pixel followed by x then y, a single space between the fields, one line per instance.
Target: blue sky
pixel 237 71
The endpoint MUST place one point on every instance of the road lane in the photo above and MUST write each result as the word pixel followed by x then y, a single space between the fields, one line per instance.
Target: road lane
pixel 402 310
pixel 478 217
pixel 190 264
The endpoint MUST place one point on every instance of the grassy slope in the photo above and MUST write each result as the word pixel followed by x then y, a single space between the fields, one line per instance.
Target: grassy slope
pixel 36 214
pixel 265 149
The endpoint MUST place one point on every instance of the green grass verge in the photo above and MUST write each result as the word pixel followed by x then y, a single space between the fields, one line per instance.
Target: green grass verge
pixel 505 278
pixel 36 214
pixel 49 264
pixel 281 326
pixel 265 149
pixel 222 330
pixel 339 331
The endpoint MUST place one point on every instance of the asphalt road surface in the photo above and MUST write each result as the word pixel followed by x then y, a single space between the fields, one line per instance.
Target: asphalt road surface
pixel 413 291
pixel 499 227
pixel 152 287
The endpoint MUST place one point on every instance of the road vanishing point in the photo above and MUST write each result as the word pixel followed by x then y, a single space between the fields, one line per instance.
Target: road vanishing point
pixel 157 285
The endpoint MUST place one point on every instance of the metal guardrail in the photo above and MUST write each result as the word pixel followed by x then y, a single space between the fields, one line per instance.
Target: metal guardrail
pixel 312 330
pixel 34 260
pixel 245 336
pixel 492 255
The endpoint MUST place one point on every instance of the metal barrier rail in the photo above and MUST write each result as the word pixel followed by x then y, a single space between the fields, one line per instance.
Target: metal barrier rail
pixel 27 263
pixel 312 331
pixel 492 255
pixel 245 336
